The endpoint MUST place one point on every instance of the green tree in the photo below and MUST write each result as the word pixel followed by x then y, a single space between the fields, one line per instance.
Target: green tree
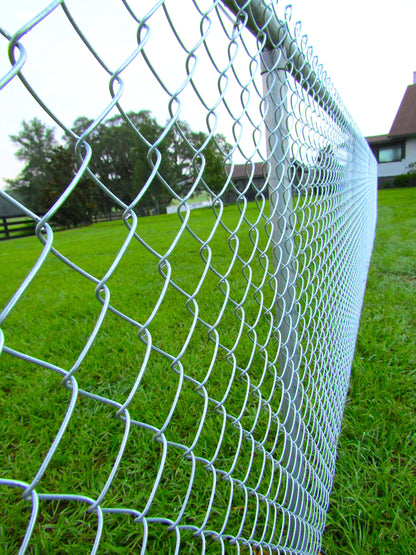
pixel 48 171
pixel 36 143
pixel 124 155
pixel 133 158
pixel 81 205
pixel 121 157
pixel 214 151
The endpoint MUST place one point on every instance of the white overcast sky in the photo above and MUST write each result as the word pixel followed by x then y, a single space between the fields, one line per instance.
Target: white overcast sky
pixel 367 48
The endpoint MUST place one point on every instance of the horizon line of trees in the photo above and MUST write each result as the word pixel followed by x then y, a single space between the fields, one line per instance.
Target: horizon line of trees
pixel 119 160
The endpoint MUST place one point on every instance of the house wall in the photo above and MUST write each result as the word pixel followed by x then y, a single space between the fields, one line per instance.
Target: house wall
pixel 391 169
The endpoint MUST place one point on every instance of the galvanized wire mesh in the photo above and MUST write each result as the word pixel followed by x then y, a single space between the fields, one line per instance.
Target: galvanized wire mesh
pixel 176 383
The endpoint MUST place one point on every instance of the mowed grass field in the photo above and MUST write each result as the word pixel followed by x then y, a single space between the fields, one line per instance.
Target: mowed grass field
pixel 53 323
pixel 373 502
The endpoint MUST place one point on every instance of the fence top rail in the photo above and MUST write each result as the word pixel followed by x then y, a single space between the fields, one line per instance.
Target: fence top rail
pixel 260 17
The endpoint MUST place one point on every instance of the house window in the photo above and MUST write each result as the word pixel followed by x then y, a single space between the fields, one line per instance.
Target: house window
pixel 390 153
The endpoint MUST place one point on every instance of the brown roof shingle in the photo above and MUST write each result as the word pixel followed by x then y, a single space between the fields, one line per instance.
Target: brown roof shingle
pixel 375 139
pixel 405 121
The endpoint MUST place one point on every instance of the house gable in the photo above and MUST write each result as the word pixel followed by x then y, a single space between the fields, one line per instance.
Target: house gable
pixel 405 121
pixel 396 150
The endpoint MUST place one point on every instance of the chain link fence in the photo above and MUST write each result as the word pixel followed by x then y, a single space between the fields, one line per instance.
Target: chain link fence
pixel 176 382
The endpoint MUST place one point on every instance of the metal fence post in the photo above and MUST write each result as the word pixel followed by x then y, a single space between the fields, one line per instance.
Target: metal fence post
pixel 281 216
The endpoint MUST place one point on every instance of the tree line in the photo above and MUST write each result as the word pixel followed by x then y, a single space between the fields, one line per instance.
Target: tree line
pixel 121 160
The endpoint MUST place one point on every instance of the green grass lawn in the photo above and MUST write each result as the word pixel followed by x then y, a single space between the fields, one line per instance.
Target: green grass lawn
pixel 53 322
pixel 373 503
pixel 374 495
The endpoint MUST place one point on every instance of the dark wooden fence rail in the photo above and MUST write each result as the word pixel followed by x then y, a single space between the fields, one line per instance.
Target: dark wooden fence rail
pixel 12 227
pixel 111 216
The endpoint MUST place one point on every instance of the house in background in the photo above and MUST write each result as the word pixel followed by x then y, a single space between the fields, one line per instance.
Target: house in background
pixel 396 150
pixel 393 152
pixel 247 177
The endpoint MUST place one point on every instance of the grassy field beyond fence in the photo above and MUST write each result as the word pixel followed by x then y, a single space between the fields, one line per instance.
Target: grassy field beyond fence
pixel 373 504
